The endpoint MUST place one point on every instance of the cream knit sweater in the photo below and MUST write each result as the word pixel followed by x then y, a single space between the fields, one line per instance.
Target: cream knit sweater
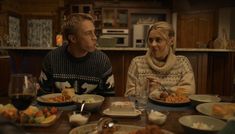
pixel 175 73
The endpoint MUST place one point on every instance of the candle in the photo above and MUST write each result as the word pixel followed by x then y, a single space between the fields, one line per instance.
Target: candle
pixel 26 81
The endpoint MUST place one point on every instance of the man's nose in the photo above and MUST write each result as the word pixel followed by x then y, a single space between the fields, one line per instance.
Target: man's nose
pixel 94 37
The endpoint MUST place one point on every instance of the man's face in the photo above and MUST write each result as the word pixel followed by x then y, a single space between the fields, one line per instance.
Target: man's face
pixel 158 42
pixel 86 38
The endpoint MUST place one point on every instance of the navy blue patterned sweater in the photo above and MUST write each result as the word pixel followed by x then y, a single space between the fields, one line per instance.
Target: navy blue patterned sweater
pixel 89 74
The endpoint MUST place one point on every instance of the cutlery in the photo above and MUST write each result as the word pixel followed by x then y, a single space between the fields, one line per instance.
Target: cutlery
pixel 82 106
pixel 162 88
pixel 103 123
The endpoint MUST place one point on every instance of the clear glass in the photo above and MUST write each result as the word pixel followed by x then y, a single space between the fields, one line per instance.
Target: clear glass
pixel 142 94
pixel 22 90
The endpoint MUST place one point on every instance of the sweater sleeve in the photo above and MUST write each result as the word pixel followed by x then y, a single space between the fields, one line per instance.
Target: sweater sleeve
pixel 107 82
pixel 131 77
pixel 187 81
pixel 45 78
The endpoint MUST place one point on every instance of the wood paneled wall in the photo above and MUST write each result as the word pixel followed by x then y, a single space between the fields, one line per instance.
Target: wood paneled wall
pixel 213 71
pixel 4 75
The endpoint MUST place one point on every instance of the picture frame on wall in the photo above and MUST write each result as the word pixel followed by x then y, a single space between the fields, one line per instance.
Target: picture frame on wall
pixel 39 32
pixel 14 31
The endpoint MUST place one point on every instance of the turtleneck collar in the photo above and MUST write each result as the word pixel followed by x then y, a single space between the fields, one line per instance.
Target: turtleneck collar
pixel 162 66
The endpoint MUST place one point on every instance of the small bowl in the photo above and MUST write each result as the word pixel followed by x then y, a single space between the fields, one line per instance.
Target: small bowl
pixel 92 101
pixel 157 117
pixel 200 124
pixel 76 118
pixel 203 98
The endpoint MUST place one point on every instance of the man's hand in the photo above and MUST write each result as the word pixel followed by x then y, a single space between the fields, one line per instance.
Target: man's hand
pixel 110 81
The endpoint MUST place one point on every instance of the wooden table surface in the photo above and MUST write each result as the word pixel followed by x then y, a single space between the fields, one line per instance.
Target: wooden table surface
pixel 62 126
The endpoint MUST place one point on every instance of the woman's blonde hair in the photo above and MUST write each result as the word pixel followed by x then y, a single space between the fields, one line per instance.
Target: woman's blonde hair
pixel 71 23
pixel 165 27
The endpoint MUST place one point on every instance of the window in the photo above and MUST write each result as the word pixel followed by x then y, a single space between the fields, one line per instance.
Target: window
pixel 39 32
pixel 14 31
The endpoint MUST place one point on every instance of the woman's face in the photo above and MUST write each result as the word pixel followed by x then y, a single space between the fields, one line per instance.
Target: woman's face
pixel 159 44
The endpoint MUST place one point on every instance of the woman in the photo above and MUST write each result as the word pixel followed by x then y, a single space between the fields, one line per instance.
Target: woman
pixel 160 65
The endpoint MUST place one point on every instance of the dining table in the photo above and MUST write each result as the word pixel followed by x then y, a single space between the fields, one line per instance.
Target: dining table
pixel 62 125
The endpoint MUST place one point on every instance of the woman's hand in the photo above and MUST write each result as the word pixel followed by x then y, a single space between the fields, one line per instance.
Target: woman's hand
pixel 181 91
pixel 153 84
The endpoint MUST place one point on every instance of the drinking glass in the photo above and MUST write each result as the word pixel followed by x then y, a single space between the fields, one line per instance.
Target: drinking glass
pixel 22 90
pixel 142 94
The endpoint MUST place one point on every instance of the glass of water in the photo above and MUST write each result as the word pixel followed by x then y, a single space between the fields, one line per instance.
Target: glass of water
pixel 142 93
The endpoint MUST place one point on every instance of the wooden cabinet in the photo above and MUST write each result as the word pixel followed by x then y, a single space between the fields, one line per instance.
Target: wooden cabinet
pixel 97 15
pixel 195 29
pixel 115 17
pixel 81 8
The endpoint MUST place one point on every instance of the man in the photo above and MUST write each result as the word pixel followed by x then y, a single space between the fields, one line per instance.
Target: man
pixel 77 64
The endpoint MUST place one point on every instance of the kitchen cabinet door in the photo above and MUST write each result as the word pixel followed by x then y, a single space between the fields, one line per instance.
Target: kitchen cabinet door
pixel 195 29
pixel 115 17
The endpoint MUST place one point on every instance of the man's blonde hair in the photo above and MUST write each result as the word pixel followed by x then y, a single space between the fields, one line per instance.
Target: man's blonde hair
pixel 71 23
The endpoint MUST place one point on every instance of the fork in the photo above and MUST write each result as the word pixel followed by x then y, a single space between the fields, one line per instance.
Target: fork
pixel 162 88
pixel 104 122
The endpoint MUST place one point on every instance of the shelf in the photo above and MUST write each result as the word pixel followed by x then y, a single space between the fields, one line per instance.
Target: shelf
pixel 123 49
pixel 27 48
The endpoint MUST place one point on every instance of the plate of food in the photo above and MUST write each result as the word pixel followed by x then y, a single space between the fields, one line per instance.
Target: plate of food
pixel 93 102
pixel 122 109
pixel 118 129
pixel 55 99
pixel 170 100
pixel 32 116
pixel 220 110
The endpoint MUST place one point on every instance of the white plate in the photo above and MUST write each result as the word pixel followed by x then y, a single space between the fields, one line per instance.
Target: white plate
pixel 43 99
pixel 161 102
pixel 93 101
pixel 207 125
pixel 134 113
pixel 206 108
pixel 122 129
pixel 205 98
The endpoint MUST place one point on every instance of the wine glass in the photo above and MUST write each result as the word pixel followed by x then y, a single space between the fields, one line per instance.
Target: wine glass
pixel 22 91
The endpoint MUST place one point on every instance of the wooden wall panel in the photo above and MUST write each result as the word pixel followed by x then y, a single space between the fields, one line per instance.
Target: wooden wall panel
pixel 203 74
pixel 4 75
pixel 27 61
pixel 120 62
pixel 199 65
pixel 213 71
pixel 221 71
pixel 117 61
